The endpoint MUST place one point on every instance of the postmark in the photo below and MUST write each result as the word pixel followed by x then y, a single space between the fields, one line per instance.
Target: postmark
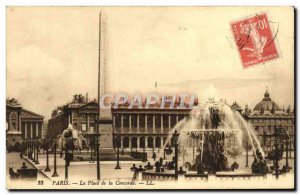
pixel 255 40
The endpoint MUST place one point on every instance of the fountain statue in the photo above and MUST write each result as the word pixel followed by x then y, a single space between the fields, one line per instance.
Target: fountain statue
pixel 259 164
pixel 214 133
pixel 73 138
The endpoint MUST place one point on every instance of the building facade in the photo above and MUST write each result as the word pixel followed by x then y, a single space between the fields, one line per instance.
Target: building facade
pixel 146 127
pixel 80 112
pixel 21 124
pixel 266 116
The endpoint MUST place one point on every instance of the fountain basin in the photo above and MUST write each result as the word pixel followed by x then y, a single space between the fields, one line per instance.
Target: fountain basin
pixel 238 174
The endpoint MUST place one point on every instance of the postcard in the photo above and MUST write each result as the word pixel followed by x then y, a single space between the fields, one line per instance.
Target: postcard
pixel 150 98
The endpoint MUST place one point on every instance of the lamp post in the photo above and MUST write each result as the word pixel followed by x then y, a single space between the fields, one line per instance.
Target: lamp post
pixel 29 149
pixel 26 149
pixel 47 155
pixel 247 152
pixel 118 142
pixel 91 145
pixel 37 151
pixel 276 166
pixel 33 147
pixel 66 161
pixel 144 152
pixel 55 172
pixel 287 138
pixel 32 150
pixel 98 159
pixel 68 146
pixel 287 153
pixel 193 152
pixel 175 143
pixel 290 148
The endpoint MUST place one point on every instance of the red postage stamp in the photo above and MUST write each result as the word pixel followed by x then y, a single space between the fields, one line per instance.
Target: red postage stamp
pixel 254 39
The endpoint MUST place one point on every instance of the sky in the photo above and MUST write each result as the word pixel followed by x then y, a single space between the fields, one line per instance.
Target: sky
pixel 52 54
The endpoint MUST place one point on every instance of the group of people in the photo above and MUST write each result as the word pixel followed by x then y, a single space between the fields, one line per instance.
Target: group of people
pixel 159 167
pixel 14 174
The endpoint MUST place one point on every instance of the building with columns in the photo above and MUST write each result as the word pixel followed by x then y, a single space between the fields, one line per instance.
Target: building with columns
pixel 80 112
pixel 21 124
pixel 146 127
pixel 267 115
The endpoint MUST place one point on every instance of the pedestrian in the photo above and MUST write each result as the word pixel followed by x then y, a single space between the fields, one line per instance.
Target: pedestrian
pixel 21 155
pixel 24 166
pixel 154 156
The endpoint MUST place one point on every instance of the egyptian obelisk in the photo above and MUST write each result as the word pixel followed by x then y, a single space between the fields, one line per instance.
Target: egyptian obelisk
pixel 105 116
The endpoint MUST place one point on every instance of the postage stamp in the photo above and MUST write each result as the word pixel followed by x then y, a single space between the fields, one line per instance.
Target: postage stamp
pixel 254 39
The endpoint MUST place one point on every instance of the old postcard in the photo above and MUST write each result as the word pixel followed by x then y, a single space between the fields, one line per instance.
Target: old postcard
pixel 149 98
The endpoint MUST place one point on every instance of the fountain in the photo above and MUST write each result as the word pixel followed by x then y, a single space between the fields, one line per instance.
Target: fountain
pixel 217 133
pixel 78 142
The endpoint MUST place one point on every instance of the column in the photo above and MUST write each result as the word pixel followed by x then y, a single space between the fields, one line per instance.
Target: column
pixel 42 130
pixel 130 123
pixel 162 142
pixel 161 123
pixel 146 122
pixel 130 142
pixel 138 122
pixel 114 120
pixel 169 122
pixel 88 123
pixel 154 140
pixel 176 118
pixel 121 142
pixel 31 130
pixel 153 123
pixel 138 142
pixel 122 127
pixel 146 142
pixel 25 133
pixel 37 129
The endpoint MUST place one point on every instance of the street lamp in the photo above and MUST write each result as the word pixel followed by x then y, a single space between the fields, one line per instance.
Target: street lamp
pixel 96 143
pixel 91 147
pixel 276 166
pixel 118 142
pixel 287 153
pixel 68 146
pixel 193 151
pixel 29 149
pixel 247 152
pixel 286 139
pixel 55 172
pixel 37 151
pixel 97 148
pixel 47 155
pixel 175 143
pixel 144 152
pixel 33 151
pixel 26 149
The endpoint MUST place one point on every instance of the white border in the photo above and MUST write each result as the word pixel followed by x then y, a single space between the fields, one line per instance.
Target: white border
pixel 5 3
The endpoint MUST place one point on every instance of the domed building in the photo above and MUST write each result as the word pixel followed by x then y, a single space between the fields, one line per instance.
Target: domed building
pixel 267 105
pixel 265 116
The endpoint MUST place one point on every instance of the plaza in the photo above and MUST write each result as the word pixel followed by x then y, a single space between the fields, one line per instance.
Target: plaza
pixel 85 172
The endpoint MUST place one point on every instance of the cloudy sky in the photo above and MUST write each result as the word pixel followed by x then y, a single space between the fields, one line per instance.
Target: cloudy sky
pixel 52 53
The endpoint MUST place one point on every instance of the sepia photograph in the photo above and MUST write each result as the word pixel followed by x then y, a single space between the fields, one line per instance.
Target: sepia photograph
pixel 150 98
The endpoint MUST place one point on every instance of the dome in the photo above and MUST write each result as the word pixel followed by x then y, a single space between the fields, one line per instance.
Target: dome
pixel 266 103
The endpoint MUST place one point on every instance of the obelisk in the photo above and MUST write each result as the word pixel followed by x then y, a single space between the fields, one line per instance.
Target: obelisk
pixel 105 116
